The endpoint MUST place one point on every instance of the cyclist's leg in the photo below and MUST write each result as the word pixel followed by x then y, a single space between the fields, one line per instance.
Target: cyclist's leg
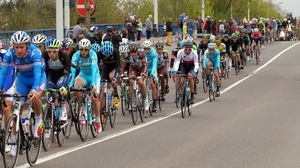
pixel 80 82
pixel 217 76
pixel 191 83
pixel 132 73
pixel 61 83
pixel 8 88
pixel 143 87
pixel 162 79
pixel 95 100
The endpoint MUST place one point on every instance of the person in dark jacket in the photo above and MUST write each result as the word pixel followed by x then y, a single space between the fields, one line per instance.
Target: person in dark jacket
pixel 169 31
pixel 92 35
pixel 131 32
pixel 113 36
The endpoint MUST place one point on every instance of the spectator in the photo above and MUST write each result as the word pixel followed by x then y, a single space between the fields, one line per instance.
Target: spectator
pixel 184 30
pixel 126 22
pixel 197 26
pixel 130 32
pixel 79 37
pixel 134 25
pixel 169 30
pixel 191 26
pixel 113 36
pixel 208 26
pixel 179 24
pixel 92 35
pixel 200 25
pixel 76 31
pixel 124 35
pixel 226 27
pixel 149 27
pixel 221 28
pixel 100 35
pixel 139 29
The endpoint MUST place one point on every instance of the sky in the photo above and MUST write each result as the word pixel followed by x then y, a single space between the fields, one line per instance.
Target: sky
pixel 292 5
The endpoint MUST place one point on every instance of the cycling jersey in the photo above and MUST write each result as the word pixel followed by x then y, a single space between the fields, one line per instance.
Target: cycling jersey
pixel 125 62
pixel 202 48
pixel 213 58
pixel 89 70
pixel 187 60
pixel 31 69
pixel 227 43
pixel 10 75
pixel 221 48
pixel 152 61
pixel 138 65
pixel 162 59
pixel 235 46
pixel 110 63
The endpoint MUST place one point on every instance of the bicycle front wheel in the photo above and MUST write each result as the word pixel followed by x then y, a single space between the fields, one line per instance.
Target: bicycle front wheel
pixel 70 119
pixel 11 145
pixel 134 111
pixel 92 123
pixel 61 132
pixel 204 83
pixel 124 101
pixel 103 112
pixel 48 128
pixel 183 103
pixel 82 122
pixel 112 117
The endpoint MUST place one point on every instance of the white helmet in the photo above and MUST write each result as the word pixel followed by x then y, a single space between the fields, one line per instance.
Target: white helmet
pixel 147 44
pixel 256 30
pixel 84 43
pixel 211 46
pixel 39 39
pixel 189 38
pixel 123 48
pixel 20 37
pixel 285 19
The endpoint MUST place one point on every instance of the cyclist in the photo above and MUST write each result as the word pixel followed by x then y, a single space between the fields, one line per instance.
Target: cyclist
pixel 58 72
pixel 221 47
pixel 212 58
pixel 111 66
pixel 189 65
pixel 123 49
pixel 39 41
pixel 202 46
pixel 31 75
pixel 151 56
pixel 180 45
pixel 227 41
pixel 162 67
pixel 67 47
pixel 246 42
pixel 137 67
pixel 235 47
pixel 86 59
pixel 256 40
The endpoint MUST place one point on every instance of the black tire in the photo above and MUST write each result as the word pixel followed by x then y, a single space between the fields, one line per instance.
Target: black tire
pixel 236 65
pixel 74 113
pixel 112 117
pixel 256 56
pixel 70 119
pixel 48 119
pixel 160 101
pixel 103 114
pixel 82 121
pixel 204 84
pixel 61 133
pixel 93 123
pixel 183 101
pixel 11 161
pixel 124 100
pixel 177 96
pixel 134 111
pixel 190 106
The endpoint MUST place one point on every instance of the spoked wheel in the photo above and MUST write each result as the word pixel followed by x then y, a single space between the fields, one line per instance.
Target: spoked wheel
pixel 236 67
pixel 183 101
pixel 256 56
pixel 103 112
pixel 112 117
pixel 33 148
pixel 204 84
pixel 124 101
pixel 142 110
pixel 93 123
pixel 160 96
pixel 48 127
pixel 70 119
pixel 11 145
pixel 73 109
pixel 190 106
pixel 82 121
pixel 134 110
pixel 62 132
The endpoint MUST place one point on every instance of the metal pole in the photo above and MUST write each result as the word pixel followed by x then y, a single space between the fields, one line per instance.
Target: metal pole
pixel 248 11
pixel 59 20
pixel 231 8
pixel 67 15
pixel 203 9
pixel 156 14
pixel 87 14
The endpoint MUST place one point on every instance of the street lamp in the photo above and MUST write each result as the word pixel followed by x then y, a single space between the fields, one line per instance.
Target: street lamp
pixel 231 8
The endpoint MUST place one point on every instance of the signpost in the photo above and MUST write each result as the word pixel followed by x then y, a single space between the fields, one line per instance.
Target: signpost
pixel 81 7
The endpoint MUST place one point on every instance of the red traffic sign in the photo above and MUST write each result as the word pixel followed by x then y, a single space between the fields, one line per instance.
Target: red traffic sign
pixel 80 7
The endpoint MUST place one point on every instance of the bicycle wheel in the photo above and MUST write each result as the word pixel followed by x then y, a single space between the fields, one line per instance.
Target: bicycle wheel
pixel 160 101
pixel 61 132
pixel 82 121
pixel 123 100
pixel 113 115
pixel 183 103
pixel 204 83
pixel 134 111
pixel 214 87
pixel 177 97
pixel 69 120
pixel 190 106
pixel 142 112
pixel 48 128
pixel 73 109
pixel 210 91
pixel 92 123
pixel 33 146
pixel 10 158
pixel 236 67
pixel 256 56
pixel 103 112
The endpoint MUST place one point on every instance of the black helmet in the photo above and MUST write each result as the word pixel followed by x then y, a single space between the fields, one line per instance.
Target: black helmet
pixel 188 44
pixel 109 29
pixel 133 46
pixel 159 45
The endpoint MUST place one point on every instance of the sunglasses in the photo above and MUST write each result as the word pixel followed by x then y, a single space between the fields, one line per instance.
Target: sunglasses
pixel 146 48
pixel 65 49
pixel 84 49
pixel 52 51
pixel 159 49
pixel 39 46
pixel 187 49
pixel 211 49
pixel 133 51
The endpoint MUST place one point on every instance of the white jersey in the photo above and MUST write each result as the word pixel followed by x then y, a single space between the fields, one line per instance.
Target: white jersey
pixel 187 60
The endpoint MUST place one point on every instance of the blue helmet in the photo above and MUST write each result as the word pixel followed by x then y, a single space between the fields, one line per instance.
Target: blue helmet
pixel 95 47
pixel 107 48
pixel 180 44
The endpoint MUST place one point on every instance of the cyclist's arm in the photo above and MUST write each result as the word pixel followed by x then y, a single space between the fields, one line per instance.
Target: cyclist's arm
pixel 37 68
pixel 4 67
pixel 124 62
pixel 94 66
pixel 154 62
pixel 196 62
pixel 178 59
pixel 117 58
pixel 217 54
pixel 204 59
pixel 66 62
pixel 75 59
pixel 166 57
pixel 144 69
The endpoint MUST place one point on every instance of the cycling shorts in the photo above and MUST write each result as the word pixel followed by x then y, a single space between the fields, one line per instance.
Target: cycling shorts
pixel 87 80
pixel 185 69
pixel 24 84
pixel 214 64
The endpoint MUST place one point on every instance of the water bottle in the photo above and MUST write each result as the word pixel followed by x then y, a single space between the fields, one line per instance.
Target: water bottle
pixel 57 112
pixel 25 124
pixel 188 90
pixel 109 100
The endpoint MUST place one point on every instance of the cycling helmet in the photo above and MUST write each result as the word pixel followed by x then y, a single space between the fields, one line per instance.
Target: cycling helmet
pixel 67 42
pixel 234 36
pixel 180 44
pixel 147 44
pixel 218 39
pixel 2 45
pixel 226 36
pixel 95 47
pixel 188 44
pixel 20 37
pixel 243 31
pixel 53 43
pixel 84 44
pixel 39 39
pixel 123 47
pixel 159 45
pixel 189 38
pixel 107 48
pixel 133 46
pixel 205 36
pixel 211 46
pixel 256 30
pixel 212 38
pixel 109 28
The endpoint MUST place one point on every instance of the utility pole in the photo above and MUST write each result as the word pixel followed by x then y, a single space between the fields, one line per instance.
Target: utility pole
pixel 87 15
pixel 231 9
pixel 203 9
pixel 248 10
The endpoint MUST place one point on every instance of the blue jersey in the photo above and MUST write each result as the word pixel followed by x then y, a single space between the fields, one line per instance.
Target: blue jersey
pixel 88 66
pixel 213 58
pixel 32 65
pixel 152 61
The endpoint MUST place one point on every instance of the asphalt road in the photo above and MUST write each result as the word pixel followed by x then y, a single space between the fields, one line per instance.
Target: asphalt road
pixel 253 124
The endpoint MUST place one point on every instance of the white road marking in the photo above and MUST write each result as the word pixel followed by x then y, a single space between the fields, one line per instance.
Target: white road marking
pixel 96 141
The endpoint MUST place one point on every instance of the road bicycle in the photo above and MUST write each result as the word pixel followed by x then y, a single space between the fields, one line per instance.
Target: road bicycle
pixel 185 97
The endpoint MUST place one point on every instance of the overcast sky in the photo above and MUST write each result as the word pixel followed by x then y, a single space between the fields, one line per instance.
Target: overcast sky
pixel 292 5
